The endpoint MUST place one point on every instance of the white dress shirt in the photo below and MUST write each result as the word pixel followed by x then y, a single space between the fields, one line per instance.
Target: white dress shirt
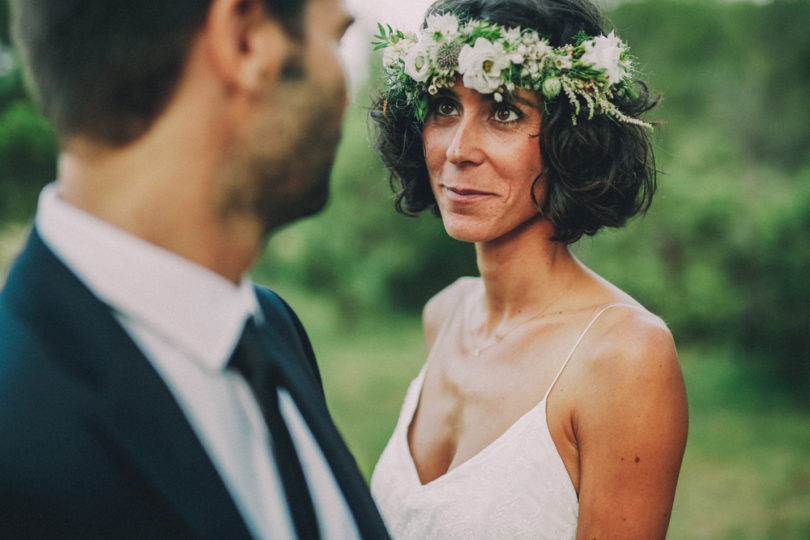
pixel 187 321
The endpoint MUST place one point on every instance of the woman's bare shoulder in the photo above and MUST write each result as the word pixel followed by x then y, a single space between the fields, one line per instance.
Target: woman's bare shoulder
pixel 629 343
pixel 631 422
pixel 635 389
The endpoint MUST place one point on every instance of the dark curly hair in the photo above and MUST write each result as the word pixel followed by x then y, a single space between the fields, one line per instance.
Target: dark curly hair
pixel 599 172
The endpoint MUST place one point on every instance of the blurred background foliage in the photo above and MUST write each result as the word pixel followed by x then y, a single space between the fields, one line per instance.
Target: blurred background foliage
pixel 26 142
pixel 723 256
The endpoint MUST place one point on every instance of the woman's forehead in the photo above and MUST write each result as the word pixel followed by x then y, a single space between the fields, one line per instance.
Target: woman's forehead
pixel 528 97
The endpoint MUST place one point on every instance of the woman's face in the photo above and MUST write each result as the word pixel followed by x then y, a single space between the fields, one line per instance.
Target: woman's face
pixel 483 157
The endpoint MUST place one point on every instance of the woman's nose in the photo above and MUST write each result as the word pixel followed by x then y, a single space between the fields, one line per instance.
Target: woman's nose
pixel 465 146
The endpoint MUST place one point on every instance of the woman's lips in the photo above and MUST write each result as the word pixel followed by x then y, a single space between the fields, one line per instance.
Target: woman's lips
pixel 459 194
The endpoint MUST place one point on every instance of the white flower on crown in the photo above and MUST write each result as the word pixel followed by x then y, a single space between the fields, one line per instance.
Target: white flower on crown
pixel 501 60
pixel 391 56
pixel 417 63
pixel 563 61
pixel 604 53
pixel 511 43
pixel 541 49
pixel 512 35
pixel 530 37
pixel 481 65
pixel 397 51
pixel 446 25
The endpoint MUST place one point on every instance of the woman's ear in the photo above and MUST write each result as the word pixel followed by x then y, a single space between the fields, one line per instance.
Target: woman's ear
pixel 244 45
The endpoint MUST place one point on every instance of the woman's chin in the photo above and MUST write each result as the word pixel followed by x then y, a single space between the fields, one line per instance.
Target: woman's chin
pixel 464 233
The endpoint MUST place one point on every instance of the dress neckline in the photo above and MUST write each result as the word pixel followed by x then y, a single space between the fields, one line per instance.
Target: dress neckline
pixel 481 454
pixel 478 456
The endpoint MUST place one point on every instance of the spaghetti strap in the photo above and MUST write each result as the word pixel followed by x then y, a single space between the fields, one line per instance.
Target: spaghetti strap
pixel 579 340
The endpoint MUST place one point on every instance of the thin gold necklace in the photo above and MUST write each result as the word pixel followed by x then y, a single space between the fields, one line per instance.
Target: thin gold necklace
pixel 478 348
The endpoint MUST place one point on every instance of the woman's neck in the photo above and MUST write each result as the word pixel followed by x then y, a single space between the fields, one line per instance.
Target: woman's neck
pixel 524 274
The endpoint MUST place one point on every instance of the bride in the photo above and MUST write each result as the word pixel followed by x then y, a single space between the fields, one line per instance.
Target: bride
pixel 551 404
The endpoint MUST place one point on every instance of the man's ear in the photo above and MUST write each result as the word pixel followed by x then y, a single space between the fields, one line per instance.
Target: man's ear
pixel 245 46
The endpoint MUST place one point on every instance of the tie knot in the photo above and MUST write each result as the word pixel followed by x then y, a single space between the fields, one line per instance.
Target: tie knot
pixel 251 358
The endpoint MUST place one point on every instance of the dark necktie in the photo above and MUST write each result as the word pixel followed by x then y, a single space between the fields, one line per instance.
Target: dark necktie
pixel 258 366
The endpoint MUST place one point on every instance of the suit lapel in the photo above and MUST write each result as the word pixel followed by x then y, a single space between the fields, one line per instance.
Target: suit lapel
pixel 284 345
pixel 136 414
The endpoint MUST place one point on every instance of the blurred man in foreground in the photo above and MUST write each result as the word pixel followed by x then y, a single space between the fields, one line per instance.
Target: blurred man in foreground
pixel 147 388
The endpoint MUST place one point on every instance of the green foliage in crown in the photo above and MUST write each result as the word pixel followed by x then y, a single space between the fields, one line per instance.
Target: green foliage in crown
pixel 493 59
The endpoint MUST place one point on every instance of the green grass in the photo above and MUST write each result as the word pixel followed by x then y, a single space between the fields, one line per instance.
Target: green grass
pixel 746 472
pixel 11 238
pixel 745 475
pixel 365 368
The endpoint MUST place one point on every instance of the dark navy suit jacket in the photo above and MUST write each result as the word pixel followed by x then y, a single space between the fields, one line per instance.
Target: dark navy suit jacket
pixel 92 443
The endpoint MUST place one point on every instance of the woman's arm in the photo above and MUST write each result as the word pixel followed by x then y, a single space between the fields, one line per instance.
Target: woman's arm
pixel 631 428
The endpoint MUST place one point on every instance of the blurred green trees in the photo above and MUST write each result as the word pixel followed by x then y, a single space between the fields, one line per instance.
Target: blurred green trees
pixel 723 255
pixel 730 229
pixel 26 143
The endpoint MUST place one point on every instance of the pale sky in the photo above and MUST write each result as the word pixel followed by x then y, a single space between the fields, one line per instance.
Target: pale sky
pixel 356 45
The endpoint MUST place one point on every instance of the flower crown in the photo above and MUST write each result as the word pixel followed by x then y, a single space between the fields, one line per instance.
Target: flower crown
pixel 493 59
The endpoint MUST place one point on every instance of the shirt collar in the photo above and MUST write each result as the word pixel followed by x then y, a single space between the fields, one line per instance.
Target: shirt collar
pixel 189 306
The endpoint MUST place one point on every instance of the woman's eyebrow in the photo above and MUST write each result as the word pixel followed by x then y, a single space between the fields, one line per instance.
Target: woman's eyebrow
pixel 526 102
pixel 513 98
pixel 447 92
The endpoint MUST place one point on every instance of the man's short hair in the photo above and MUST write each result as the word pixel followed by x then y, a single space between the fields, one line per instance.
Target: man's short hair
pixel 107 68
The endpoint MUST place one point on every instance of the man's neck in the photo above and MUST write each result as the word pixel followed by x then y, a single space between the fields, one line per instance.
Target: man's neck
pixel 156 192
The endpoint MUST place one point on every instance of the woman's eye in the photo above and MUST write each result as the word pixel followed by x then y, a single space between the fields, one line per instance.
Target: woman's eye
pixel 506 115
pixel 445 108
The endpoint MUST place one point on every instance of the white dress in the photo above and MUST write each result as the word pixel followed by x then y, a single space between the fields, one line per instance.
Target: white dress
pixel 517 487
